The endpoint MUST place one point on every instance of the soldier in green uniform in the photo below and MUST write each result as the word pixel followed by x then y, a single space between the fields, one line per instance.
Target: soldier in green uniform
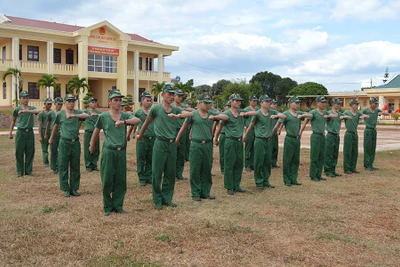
pixel 350 146
pixel 249 145
pixel 317 138
pixel 233 120
pixel 180 150
pixel 144 147
pixel 220 140
pixel 164 150
pixel 58 102
pixel 291 148
pixel 275 139
pixel 370 132
pixel 69 148
pixel 91 159
pixel 332 139
pixel 188 103
pixel 202 121
pixel 43 131
pixel 24 138
pixel 263 125
pixel 113 157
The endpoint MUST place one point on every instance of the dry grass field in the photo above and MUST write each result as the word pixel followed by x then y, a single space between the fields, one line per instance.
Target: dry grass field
pixel 353 220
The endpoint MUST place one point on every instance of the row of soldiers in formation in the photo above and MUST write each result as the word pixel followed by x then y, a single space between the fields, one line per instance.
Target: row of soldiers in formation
pixel 162 131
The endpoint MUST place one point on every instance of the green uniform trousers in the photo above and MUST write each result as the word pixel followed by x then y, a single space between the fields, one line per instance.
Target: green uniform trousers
pixel 222 152
pixel 369 147
pixel 187 151
pixel 164 163
pixel 180 155
pixel 249 151
pixel 350 151
pixel 275 150
pixel 54 152
pixel 331 153
pixel 113 178
pixel 262 161
pixel 233 163
pixel 200 169
pixel 90 159
pixel 24 150
pixel 144 152
pixel 69 161
pixel 45 148
pixel 317 155
pixel 291 159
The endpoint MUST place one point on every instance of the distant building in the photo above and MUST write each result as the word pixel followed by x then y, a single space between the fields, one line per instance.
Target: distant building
pixel 107 57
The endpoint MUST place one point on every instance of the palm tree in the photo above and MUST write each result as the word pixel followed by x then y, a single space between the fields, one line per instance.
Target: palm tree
pixel 16 75
pixel 77 86
pixel 157 89
pixel 48 80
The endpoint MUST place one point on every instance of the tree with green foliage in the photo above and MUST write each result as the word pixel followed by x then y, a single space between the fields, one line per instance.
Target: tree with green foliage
pixel 203 89
pixel 17 76
pixel 268 81
pixel 77 86
pixel 219 87
pixel 309 90
pixel 156 90
pixel 187 87
pixel 48 80
pixel 282 89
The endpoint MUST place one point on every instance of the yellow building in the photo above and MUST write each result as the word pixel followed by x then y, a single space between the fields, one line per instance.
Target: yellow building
pixel 107 57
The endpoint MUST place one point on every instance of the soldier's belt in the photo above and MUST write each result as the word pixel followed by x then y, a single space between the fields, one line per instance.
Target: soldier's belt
pixel 318 133
pixel 70 140
pixel 351 132
pixel 118 148
pixel 88 131
pixel 202 141
pixel 25 130
pixel 169 140
pixel 333 133
pixel 371 128
pixel 235 138
pixel 148 137
pixel 293 136
pixel 265 138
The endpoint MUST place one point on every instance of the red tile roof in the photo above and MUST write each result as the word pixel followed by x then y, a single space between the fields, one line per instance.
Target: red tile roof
pixel 41 24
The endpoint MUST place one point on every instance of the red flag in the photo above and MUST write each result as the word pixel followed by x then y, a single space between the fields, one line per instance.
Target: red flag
pixel 385 107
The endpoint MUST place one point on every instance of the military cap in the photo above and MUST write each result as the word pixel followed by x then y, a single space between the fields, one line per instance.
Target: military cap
pixel 354 101
pixel 179 92
pixel 373 100
pixel 145 94
pixel 24 93
pixel 321 99
pixel 205 98
pixel 92 99
pixel 294 99
pixel 253 98
pixel 58 100
pixel 168 88
pixel 48 100
pixel 235 97
pixel 114 93
pixel 69 97
pixel 336 101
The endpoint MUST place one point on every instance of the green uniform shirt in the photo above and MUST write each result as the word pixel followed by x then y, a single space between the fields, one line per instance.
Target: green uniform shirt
pixel 351 125
pixel 91 121
pixel 292 123
pixel 113 136
pixel 234 126
pixel 222 125
pixel 373 117
pixel 318 121
pixel 263 125
pixel 24 120
pixel 201 127
pixel 140 114
pixel 43 117
pixel 180 121
pixel 51 117
pixel 69 128
pixel 164 126
pixel 333 124
pixel 248 120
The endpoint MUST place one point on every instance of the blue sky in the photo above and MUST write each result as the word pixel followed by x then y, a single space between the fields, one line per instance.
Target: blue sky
pixel 342 44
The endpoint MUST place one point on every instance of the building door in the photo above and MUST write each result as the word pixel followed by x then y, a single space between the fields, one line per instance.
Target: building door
pixel 4 52
pixel 69 56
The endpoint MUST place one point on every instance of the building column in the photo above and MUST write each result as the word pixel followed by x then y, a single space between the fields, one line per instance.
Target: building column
pixel 16 64
pixel 83 61
pixel 50 65
pixel 382 101
pixel 123 69
pixel 136 78
pixel 160 68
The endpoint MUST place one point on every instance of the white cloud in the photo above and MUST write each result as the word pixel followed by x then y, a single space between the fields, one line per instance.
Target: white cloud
pixel 366 9
pixel 286 4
